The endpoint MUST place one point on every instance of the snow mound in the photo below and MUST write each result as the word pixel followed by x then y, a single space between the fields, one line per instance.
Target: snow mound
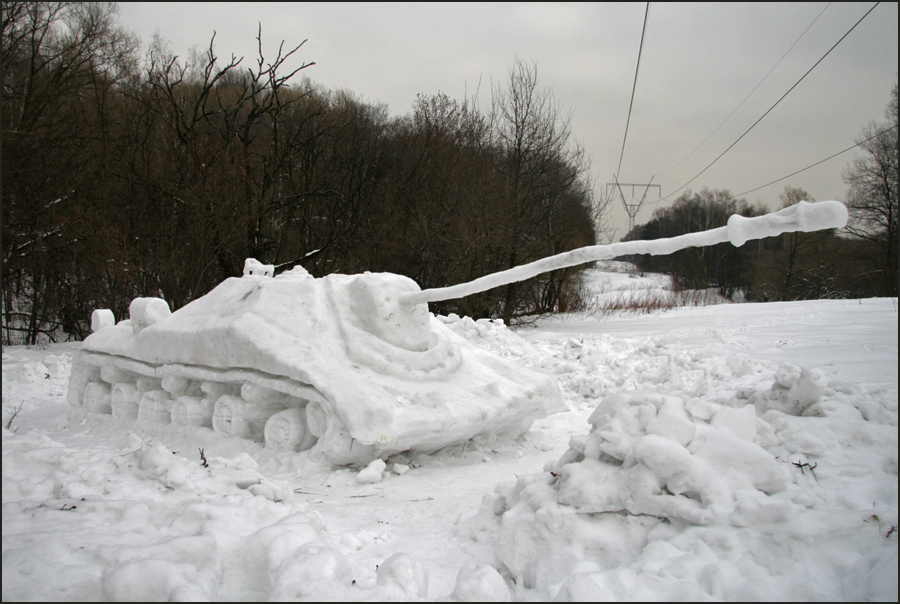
pixel 647 455
pixel 673 494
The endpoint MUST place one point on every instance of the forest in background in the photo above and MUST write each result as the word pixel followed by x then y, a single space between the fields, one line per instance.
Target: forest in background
pixel 793 266
pixel 130 173
pixel 127 175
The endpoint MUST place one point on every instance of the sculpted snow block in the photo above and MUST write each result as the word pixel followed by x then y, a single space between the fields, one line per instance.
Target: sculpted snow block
pixel 363 368
pixel 362 377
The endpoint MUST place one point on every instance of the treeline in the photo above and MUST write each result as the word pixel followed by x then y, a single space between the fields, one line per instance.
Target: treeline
pixel 792 266
pixel 126 176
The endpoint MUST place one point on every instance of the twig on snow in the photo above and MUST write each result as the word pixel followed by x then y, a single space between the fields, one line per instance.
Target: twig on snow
pixel 806 465
pixel 13 416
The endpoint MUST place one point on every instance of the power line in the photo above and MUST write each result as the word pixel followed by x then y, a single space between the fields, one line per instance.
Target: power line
pixel 773 106
pixel 817 163
pixel 751 92
pixel 633 87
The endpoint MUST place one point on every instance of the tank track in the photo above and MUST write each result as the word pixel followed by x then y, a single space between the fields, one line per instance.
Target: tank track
pixel 282 414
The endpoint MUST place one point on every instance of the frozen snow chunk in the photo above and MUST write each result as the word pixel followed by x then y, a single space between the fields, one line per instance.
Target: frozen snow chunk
pixel 273 490
pixel 372 472
pixel 662 455
pixel 741 421
pixel 723 452
pixel 806 391
pixel 618 421
pixel 673 422
pixel 133 443
pixel 700 408
pixel 160 463
pixel 283 540
pixel 52 362
pixel 616 438
pixel 102 317
pixel 313 570
pixel 407 578
pixel 786 375
pixel 480 583
pixel 145 312
pixel 794 392
pixel 874 576
pixel 739 365
pixel 244 461
pixel 255 268
pixel 148 580
pixel 590 487
pixel 753 508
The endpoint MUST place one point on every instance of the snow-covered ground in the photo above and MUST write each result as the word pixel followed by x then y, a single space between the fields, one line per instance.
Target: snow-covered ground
pixel 734 451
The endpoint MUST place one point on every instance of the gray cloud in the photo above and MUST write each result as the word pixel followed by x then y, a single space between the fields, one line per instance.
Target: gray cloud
pixel 699 62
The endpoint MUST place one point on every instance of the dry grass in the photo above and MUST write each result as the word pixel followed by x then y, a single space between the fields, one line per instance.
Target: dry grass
pixel 650 301
pixel 641 294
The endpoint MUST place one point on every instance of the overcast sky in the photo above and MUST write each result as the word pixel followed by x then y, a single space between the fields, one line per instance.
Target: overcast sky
pixel 699 62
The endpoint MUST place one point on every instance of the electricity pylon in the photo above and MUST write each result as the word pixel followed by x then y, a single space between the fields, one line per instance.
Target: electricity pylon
pixel 632 208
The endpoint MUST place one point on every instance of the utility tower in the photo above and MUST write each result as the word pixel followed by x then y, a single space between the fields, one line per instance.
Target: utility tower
pixel 633 207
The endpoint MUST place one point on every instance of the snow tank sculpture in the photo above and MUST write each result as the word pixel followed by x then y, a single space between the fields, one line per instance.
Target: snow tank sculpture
pixel 351 366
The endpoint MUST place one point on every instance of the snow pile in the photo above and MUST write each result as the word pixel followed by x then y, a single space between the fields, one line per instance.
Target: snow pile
pixel 491 335
pixel 144 523
pixel 673 494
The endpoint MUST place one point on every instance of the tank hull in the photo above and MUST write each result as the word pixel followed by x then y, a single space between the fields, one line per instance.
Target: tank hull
pixel 368 377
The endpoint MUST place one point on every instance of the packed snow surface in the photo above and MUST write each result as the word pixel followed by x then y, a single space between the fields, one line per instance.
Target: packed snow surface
pixel 736 451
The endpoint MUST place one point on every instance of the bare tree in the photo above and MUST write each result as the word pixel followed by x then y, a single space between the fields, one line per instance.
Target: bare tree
pixel 872 199
pixel 800 266
pixel 211 165
pixel 544 171
pixel 61 64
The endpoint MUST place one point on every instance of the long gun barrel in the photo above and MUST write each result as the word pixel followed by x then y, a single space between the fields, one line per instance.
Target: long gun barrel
pixel 800 217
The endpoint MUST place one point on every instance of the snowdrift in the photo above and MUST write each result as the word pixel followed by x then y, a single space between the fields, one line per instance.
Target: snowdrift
pixel 696 482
